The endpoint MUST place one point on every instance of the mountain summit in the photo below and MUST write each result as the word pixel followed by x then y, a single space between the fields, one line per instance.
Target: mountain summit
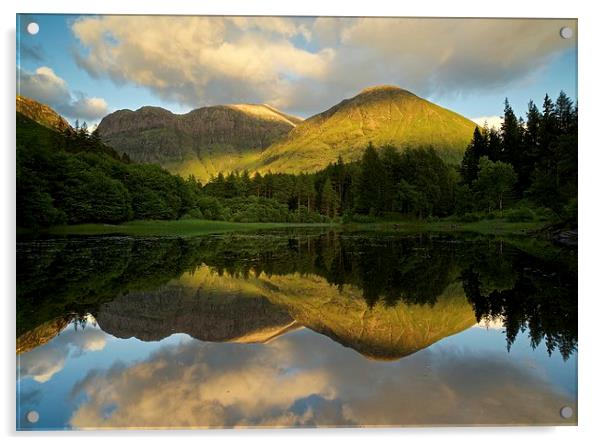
pixel 382 115
pixel 257 137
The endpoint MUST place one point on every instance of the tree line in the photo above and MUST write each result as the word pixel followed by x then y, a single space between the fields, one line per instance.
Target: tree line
pixel 533 159
pixel 526 164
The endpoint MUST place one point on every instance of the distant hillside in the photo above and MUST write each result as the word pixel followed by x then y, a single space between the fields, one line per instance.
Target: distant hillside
pixel 42 114
pixel 381 115
pixel 34 131
pixel 203 142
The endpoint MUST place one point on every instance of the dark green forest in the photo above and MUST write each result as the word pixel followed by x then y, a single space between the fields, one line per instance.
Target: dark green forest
pixel 525 170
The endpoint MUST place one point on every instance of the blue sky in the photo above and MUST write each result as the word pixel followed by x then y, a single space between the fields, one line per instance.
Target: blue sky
pixel 87 66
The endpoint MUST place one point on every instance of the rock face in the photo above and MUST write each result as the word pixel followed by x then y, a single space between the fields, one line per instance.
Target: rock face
pixel 383 115
pixel 42 114
pixel 203 142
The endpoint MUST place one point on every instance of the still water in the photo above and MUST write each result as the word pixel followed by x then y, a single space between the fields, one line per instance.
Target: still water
pixel 284 329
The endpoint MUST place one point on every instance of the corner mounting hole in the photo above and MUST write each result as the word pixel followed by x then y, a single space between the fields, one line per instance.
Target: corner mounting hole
pixel 33 28
pixel 566 412
pixel 566 32
pixel 33 416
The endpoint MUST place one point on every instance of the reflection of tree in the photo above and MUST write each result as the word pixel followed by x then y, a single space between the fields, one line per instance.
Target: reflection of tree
pixel 542 297
pixel 74 276
pixel 411 269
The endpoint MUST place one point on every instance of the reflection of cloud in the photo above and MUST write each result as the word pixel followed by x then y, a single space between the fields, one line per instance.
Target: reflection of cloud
pixel 45 361
pixel 496 323
pixel 201 384
pixel 306 64
pixel 45 86
pixel 306 379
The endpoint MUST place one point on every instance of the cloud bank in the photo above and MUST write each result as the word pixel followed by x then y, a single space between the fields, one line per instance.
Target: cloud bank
pixel 45 86
pixel 306 64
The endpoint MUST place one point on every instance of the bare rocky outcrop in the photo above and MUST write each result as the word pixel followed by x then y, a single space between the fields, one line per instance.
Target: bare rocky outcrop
pixel 155 135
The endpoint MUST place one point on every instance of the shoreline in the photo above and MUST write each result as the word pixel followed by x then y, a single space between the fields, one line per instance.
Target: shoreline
pixel 196 227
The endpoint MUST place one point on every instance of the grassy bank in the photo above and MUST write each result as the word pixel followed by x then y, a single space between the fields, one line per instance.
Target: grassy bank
pixel 195 227
pixel 186 227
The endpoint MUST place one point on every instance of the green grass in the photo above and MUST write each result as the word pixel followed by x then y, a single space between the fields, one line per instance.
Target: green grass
pixel 183 227
pixel 195 227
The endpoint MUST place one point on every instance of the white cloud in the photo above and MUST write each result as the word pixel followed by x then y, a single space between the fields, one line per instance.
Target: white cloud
pixel 306 64
pixel 45 86
pixel 490 121
pixel 197 60
pixel 88 108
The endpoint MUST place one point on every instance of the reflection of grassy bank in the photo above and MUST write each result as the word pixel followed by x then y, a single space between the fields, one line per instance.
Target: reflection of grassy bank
pixel 486 227
pixel 195 227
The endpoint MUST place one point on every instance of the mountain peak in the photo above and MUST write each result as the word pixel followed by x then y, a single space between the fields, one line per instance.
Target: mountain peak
pixel 41 113
pixel 381 115
pixel 383 88
pixel 265 112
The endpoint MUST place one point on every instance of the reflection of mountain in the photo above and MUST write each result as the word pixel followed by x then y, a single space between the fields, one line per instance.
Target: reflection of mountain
pixel 258 308
pixel 381 332
pixel 41 334
pixel 207 315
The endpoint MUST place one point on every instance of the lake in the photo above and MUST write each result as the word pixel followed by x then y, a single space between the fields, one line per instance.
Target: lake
pixel 294 328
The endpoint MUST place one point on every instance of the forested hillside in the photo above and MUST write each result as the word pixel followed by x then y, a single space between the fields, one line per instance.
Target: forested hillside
pixel 526 170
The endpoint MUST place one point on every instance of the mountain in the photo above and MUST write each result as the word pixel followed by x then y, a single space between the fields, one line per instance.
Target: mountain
pixel 41 114
pixel 203 142
pixel 381 115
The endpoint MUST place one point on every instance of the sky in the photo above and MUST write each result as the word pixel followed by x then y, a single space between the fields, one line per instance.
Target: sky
pixel 88 66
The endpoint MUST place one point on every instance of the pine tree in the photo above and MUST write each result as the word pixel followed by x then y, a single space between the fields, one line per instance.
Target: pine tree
pixel 511 138
pixel 477 148
pixel 257 184
pixel 329 199
pixel 370 192
pixel 564 112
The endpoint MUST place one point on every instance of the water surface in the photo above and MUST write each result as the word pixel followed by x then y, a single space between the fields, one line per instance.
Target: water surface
pixel 294 329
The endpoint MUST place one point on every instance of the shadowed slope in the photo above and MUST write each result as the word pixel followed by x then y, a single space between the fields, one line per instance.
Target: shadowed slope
pixel 203 142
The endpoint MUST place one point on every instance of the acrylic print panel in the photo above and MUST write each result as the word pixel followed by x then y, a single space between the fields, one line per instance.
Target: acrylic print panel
pixel 295 222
